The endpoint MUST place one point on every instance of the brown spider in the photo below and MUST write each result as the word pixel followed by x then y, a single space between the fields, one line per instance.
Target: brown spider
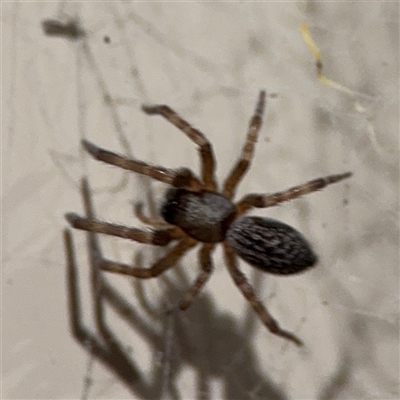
pixel 195 212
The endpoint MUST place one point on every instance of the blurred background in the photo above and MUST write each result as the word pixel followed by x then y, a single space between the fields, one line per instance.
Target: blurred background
pixel 82 70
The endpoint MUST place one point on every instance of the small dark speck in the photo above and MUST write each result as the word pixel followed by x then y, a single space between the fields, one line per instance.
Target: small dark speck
pixel 106 39
pixel 69 30
pixel 255 45
pixel 323 119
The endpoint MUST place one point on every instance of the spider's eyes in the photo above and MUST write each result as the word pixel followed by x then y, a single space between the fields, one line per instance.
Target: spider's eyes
pixel 270 245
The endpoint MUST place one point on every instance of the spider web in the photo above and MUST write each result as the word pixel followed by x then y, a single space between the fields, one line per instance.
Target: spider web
pixel 208 61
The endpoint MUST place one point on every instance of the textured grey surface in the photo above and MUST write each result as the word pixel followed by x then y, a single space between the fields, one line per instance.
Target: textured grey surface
pixel 208 61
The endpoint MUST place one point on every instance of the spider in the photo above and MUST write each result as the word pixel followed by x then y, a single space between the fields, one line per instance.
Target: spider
pixel 195 211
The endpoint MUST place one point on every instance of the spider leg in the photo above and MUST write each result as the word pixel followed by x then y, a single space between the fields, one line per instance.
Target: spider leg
pixel 202 277
pixel 142 217
pixel 248 292
pixel 181 178
pixel 160 266
pixel 206 150
pixel 269 200
pixel 158 237
pixel 243 164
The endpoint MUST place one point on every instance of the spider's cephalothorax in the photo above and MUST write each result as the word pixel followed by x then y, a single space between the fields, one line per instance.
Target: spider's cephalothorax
pixel 194 211
pixel 204 216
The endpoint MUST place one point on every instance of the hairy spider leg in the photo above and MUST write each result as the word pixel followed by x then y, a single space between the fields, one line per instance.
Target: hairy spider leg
pixel 202 277
pixel 206 149
pixel 269 200
pixel 243 164
pixel 181 178
pixel 248 292
pixel 160 266
pixel 142 217
pixel 101 289
pixel 157 237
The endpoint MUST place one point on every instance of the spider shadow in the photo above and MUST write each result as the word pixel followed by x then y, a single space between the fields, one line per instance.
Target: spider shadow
pixel 208 341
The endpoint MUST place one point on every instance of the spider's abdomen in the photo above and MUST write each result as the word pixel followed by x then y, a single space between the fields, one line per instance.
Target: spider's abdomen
pixel 270 245
pixel 205 216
